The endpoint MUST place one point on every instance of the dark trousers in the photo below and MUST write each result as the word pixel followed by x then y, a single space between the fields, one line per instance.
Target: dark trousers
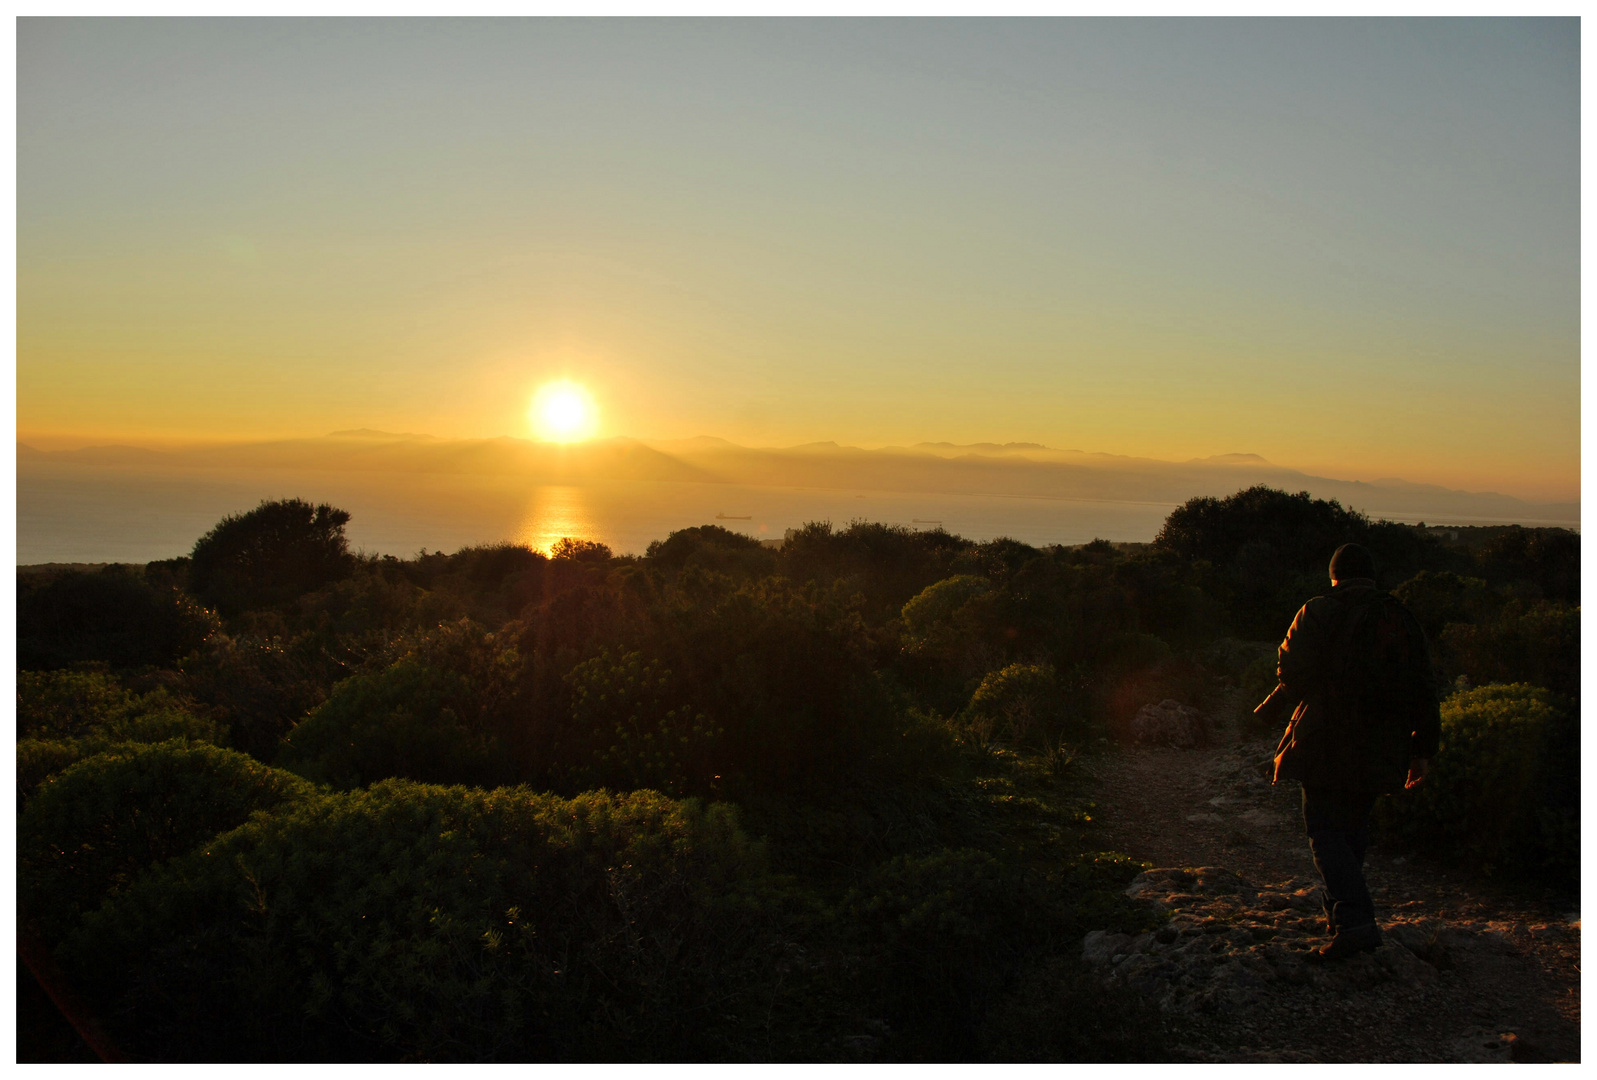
pixel 1338 824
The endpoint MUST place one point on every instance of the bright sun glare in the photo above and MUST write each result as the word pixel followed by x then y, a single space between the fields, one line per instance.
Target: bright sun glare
pixel 563 412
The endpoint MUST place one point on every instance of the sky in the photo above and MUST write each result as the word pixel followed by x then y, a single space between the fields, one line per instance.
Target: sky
pixel 1349 246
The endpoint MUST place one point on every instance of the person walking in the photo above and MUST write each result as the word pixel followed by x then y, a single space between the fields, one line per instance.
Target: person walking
pixel 1355 669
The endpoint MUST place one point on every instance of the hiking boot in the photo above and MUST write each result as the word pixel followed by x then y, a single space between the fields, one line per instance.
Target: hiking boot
pixel 1349 941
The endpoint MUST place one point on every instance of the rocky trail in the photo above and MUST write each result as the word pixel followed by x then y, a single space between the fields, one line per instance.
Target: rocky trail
pixel 1465 973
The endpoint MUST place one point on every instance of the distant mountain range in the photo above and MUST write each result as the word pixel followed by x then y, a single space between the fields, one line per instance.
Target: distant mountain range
pixel 1027 470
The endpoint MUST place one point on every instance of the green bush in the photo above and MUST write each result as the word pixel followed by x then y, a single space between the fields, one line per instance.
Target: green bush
pixel 632 734
pixel 948 931
pixel 580 550
pixel 710 547
pixel 1545 560
pixel 1262 552
pixel 491 583
pixel 786 677
pixel 1439 597
pixel 67 704
pixel 886 565
pixel 934 606
pixel 270 555
pixel 1503 794
pixel 39 758
pixel 412 719
pixel 1539 644
pixel 1062 1011
pixel 419 923
pixel 112 616
pixel 92 828
pixel 947 926
pixel 261 687
pixel 1019 706
pixel 65 716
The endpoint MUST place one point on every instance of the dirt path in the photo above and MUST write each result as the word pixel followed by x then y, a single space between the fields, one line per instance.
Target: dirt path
pixel 1466 974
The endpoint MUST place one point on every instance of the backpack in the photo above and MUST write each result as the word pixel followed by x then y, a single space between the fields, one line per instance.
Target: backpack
pixel 1380 686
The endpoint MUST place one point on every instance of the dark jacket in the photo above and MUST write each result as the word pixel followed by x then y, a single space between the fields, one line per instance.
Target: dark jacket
pixel 1357 664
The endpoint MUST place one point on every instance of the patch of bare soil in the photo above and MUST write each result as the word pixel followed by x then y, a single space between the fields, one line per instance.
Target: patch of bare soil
pixel 1466 972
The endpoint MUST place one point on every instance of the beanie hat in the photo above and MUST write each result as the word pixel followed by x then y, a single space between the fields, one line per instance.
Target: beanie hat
pixel 1352 561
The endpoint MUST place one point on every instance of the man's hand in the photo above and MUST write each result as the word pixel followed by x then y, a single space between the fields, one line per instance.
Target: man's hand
pixel 1418 768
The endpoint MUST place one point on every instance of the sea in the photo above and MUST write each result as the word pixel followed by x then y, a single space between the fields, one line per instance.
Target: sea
pixel 69 512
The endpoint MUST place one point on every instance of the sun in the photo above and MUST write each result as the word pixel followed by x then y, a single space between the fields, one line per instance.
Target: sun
pixel 563 411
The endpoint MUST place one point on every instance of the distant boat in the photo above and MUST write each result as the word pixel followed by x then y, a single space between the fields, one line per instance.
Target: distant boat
pixel 734 517
pixel 923 521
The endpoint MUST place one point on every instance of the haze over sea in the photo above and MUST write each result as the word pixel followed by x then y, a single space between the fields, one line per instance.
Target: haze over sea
pixel 408 493
pixel 82 514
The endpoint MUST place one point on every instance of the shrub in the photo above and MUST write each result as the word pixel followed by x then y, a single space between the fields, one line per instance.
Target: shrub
pixel 630 733
pixel 1547 560
pixel 786 677
pixel 67 704
pixel 1164 590
pixel 112 615
pixel 573 550
pixel 370 604
pixel 93 827
pixel 710 547
pixel 1146 672
pixel 1264 551
pixel 1019 706
pixel 94 708
pixel 948 931
pixel 491 583
pixel 996 559
pixel 40 758
pixel 421 923
pixel 1539 645
pixel 431 716
pixel 885 564
pixel 934 606
pixel 947 927
pixel 270 555
pixel 1439 597
pixel 66 716
pixel 261 687
pixel 1503 794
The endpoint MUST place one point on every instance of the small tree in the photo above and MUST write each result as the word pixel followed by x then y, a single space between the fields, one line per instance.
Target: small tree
pixel 580 550
pixel 270 555
pixel 112 615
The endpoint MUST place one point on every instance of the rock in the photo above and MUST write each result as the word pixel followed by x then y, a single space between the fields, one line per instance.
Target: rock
pixel 1402 964
pixel 1100 947
pixel 1229 944
pixel 1217 879
pixel 1424 940
pixel 1485 1046
pixel 1307 899
pixel 1261 818
pixel 1171 723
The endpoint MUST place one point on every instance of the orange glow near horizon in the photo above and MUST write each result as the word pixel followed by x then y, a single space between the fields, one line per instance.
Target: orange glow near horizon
pixel 554 512
pixel 563 412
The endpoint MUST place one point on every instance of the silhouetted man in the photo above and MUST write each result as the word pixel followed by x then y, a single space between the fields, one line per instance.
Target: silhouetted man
pixel 1357 672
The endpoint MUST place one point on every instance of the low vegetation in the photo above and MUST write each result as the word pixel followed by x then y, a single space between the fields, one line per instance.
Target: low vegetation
pixel 718 802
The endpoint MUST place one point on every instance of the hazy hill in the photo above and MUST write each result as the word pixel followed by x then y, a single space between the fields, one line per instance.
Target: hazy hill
pixel 1011 469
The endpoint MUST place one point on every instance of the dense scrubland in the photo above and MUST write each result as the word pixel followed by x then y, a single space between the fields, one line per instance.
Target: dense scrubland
pixel 281 801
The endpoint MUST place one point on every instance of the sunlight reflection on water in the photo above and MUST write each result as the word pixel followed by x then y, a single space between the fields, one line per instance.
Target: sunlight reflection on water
pixel 554 512
pixel 78 513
